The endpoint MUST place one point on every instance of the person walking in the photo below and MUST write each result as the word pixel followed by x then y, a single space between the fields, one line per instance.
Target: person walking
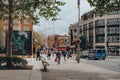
pixel 49 54
pixel 64 54
pixel 38 55
pixel 58 55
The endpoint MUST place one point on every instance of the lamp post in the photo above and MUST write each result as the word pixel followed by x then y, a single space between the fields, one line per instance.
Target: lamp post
pixel 53 32
pixel 54 19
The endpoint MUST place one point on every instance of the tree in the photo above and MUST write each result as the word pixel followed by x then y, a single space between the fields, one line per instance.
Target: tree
pixel 1 41
pixel 39 37
pixel 20 9
pixel 2 45
pixel 105 6
pixel 83 42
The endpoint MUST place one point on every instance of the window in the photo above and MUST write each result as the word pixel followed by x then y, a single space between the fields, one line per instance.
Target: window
pixel 15 27
pixel 15 21
pixel 113 21
pixel 113 39
pixel 26 22
pixel 114 12
pixel 99 31
pixel 26 28
pixel 113 30
pixel 100 39
pixel 91 25
pixel 91 32
pixel 5 28
pixel 75 30
pixel 85 27
pixel 100 22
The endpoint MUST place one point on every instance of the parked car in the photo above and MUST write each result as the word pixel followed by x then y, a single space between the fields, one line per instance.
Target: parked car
pixel 97 54
pixel 84 54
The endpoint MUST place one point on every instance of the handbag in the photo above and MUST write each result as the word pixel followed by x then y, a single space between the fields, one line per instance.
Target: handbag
pixel 56 59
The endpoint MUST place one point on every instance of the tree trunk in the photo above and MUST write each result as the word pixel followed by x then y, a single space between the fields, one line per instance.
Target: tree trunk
pixel 9 33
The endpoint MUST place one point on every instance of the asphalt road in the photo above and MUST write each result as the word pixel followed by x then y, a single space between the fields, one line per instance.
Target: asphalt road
pixel 110 64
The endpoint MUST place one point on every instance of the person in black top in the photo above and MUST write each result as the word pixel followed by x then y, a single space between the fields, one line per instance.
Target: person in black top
pixel 38 55
pixel 58 55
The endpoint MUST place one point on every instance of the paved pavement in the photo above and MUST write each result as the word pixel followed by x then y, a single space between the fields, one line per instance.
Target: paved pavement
pixel 67 70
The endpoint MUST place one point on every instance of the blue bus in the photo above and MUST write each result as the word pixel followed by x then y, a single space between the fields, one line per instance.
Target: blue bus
pixel 97 54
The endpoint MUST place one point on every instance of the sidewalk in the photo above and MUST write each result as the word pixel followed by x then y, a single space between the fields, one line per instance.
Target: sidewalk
pixel 69 66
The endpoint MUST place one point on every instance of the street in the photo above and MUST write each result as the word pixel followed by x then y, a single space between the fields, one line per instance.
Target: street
pixel 110 64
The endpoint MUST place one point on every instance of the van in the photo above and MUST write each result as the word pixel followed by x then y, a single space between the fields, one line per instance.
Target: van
pixel 97 54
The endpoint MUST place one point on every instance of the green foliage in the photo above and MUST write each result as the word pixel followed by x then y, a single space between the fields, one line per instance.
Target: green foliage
pixel 16 61
pixel 83 43
pixel 33 9
pixel 105 6
pixel 30 8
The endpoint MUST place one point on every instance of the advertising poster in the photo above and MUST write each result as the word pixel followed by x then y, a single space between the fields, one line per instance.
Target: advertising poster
pixel 22 42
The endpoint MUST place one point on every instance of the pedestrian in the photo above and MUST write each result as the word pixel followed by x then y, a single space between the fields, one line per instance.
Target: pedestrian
pixel 58 55
pixel 49 54
pixel 38 55
pixel 64 54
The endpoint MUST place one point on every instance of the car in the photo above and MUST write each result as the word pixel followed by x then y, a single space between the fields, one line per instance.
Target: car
pixel 97 54
pixel 84 54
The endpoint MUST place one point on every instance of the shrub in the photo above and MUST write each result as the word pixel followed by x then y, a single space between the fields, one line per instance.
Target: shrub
pixel 16 61
pixel 2 60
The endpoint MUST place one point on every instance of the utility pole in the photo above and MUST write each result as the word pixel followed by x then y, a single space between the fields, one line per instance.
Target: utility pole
pixel 78 41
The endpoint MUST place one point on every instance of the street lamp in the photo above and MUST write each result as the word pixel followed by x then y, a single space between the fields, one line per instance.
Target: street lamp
pixel 46 37
pixel 54 19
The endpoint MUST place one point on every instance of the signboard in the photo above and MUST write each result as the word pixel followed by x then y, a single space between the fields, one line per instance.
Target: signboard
pixel 61 48
pixel 22 42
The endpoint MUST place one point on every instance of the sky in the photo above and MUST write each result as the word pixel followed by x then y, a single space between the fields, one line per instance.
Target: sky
pixel 68 15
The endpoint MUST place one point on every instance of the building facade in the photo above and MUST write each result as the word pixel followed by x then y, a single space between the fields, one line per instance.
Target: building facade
pixel 59 41
pixel 102 32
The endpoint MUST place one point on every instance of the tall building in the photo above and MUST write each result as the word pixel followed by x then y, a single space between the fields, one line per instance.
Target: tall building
pixel 101 32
